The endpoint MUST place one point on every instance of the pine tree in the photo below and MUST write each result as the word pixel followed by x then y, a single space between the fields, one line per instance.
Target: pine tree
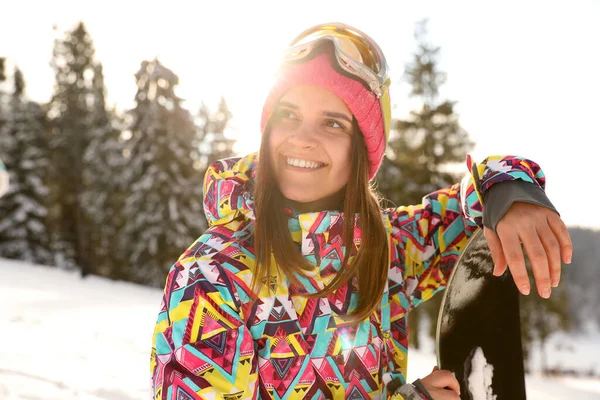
pixel 4 177
pixel 3 97
pixel 163 207
pixel 221 144
pixel 430 139
pixel 2 71
pixel 422 147
pixel 3 93
pixel 7 141
pixel 70 114
pixel 102 196
pixel 214 141
pixel 23 210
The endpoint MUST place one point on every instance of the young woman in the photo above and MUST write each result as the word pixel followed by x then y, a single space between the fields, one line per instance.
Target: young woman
pixel 302 284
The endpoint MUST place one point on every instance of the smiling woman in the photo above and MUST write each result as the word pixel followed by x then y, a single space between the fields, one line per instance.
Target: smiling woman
pixel 302 284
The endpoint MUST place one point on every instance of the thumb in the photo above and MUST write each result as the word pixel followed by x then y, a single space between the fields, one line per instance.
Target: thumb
pixel 435 369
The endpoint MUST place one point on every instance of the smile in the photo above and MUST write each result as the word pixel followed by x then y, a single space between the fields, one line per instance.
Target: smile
pixel 300 163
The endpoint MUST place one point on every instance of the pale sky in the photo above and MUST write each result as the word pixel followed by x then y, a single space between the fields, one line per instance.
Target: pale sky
pixel 526 74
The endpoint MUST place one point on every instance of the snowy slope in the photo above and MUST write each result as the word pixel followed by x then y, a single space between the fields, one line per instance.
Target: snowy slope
pixel 65 338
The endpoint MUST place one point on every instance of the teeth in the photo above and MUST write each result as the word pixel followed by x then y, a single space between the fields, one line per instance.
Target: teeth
pixel 303 163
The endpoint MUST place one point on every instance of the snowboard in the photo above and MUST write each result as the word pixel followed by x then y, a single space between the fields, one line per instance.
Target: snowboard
pixel 478 330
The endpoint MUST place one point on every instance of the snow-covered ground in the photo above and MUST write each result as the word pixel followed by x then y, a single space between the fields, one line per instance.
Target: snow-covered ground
pixel 65 338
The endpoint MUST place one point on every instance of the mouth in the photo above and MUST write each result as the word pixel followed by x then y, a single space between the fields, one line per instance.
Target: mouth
pixel 302 164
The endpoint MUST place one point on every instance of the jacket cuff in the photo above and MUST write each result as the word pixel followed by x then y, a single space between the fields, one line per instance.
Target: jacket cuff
pixel 499 197
pixel 413 391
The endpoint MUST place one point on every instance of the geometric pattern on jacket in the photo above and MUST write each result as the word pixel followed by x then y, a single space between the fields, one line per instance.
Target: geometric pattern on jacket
pixel 212 341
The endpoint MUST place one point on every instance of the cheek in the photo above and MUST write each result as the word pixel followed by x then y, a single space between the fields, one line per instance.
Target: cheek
pixel 271 141
pixel 274 142
pixel 343 161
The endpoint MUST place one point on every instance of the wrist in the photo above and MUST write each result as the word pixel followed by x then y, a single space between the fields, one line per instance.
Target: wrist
pixel 420 388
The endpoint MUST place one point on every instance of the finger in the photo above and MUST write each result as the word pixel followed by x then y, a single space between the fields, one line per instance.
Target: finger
pixel 445 379
pixel 562 233
pixel 435 369
pixel 514 257
pixel 550 243
pixel 539 261
pixel 454 385
pixel 496 251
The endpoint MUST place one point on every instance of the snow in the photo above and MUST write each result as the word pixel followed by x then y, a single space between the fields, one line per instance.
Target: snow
pixel 558 389
pixel 562 351
pixel 480 379
pixel 69 338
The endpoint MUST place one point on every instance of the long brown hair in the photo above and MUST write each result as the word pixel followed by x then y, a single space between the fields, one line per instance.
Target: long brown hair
pixel 370 265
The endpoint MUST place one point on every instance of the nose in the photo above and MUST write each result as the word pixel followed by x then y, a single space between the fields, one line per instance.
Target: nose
pixel 304 137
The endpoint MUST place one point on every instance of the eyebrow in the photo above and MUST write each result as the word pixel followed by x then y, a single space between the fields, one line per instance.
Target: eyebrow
pixel 336 115
pixel 329 114
pixel 288 105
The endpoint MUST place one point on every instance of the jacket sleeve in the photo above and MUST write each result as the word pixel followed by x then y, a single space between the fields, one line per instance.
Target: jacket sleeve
pixel 428 237
pixel 201 347
pixel 408 392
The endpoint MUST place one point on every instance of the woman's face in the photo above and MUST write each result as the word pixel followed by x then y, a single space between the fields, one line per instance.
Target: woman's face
pixel 310 146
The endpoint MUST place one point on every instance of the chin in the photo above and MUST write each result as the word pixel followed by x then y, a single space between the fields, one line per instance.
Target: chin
pixel 299 196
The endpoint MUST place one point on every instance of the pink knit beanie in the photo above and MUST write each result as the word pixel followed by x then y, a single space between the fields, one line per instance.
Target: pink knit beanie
pixel 362 102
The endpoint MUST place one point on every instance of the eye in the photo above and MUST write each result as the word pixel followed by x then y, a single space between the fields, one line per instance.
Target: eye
pixel 330 123
pixel 286 114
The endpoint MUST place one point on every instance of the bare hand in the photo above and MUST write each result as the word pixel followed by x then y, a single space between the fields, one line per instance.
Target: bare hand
pixel 442 385
pixel 545 238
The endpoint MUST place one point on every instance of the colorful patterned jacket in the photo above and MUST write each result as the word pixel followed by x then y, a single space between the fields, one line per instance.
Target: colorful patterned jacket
pixel 212 341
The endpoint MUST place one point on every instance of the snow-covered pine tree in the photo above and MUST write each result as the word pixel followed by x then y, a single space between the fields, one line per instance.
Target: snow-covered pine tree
pixel 3 93
pixel 6 141
pixel 430 139
pixel 102 196
pixel 213 141
pixel 216 143
pixel 2 69
pixel 422 146
pixel 23 210
pixel 4 180
pixel 222 142
pixel 70 116
pixel 163 207
pixel 203 122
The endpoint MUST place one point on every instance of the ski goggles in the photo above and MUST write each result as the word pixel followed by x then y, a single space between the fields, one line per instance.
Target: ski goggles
pixel 356 53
